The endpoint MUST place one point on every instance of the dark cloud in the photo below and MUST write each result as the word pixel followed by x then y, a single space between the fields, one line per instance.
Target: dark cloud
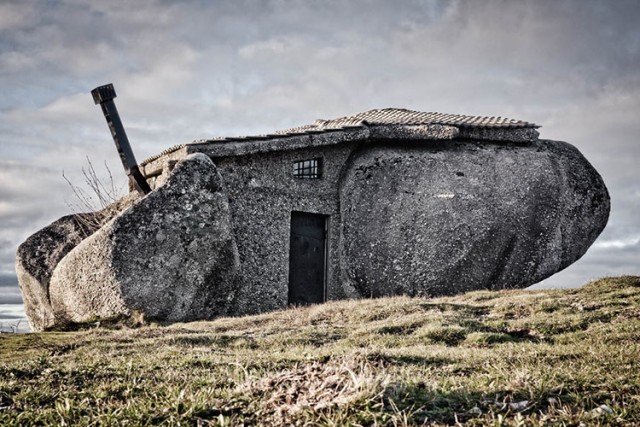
pixel 9 316
pixel 9 290
pixel 8 280
pixel 11 298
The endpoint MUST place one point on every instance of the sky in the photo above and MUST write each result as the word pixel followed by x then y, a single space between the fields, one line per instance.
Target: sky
pixel 200 69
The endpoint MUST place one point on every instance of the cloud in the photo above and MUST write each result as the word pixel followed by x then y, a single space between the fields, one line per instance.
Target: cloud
pixel 16 15
pixel 12 318
pixel 595 264
pixel 11 296
pixel 632 242
pixel 9 290
pixel 8 280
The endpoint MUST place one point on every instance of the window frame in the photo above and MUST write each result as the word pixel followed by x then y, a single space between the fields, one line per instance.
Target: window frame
pixel 308 168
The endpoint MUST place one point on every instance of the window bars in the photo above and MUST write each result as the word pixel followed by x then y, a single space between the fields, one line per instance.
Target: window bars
pixel 307 169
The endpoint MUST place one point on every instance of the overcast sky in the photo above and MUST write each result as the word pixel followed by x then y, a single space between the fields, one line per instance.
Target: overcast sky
pixel 200 69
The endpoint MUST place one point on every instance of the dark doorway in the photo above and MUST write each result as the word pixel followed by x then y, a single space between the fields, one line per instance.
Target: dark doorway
pixel 307 254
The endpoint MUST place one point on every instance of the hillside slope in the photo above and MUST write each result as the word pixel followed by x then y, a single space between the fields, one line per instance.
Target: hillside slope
pixel 499 358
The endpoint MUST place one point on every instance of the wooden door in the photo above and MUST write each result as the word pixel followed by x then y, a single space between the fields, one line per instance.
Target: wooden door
pixel 307 258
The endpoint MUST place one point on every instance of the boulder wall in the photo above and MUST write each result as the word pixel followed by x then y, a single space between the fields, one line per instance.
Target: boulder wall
pixel 439 218
pixel 39 255
pixel 170 257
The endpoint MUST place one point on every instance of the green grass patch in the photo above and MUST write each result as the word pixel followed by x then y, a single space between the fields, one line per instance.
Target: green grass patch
pixel 556 357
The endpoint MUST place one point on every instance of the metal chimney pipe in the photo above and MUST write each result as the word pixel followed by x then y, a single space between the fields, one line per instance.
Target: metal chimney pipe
pixel 104 95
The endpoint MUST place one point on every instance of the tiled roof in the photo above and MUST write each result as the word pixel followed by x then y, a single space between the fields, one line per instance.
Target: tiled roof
pixel 401 116
pixel 481 127
pixel 388 117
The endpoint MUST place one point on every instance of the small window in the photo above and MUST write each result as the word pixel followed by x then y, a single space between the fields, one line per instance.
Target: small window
pixel 307 169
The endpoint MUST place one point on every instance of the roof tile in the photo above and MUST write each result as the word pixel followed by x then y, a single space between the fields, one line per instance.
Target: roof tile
pixel 383 117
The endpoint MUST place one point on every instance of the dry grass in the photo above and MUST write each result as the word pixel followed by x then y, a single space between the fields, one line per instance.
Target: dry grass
pixel 316 387
pixel 566 357
pixel 97 200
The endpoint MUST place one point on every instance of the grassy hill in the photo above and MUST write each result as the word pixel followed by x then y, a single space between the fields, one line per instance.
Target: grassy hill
pixel 561 357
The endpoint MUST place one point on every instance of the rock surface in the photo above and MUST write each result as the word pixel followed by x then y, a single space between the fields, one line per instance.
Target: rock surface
pixel 38 256
pixel 442 218
pixel 169 257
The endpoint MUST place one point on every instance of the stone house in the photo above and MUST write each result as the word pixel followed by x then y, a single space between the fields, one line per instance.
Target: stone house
pixel 384 202
pixel 321 212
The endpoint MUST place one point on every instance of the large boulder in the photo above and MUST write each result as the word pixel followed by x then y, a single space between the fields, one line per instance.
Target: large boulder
pixel 169 257
pixel 38 256
pixel 440 218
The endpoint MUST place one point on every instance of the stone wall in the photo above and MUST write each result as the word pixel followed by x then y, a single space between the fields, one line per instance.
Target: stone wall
pixel 421 218
pixel 262 194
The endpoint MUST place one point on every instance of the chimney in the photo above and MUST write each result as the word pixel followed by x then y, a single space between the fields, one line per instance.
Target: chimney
pixel 104 95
